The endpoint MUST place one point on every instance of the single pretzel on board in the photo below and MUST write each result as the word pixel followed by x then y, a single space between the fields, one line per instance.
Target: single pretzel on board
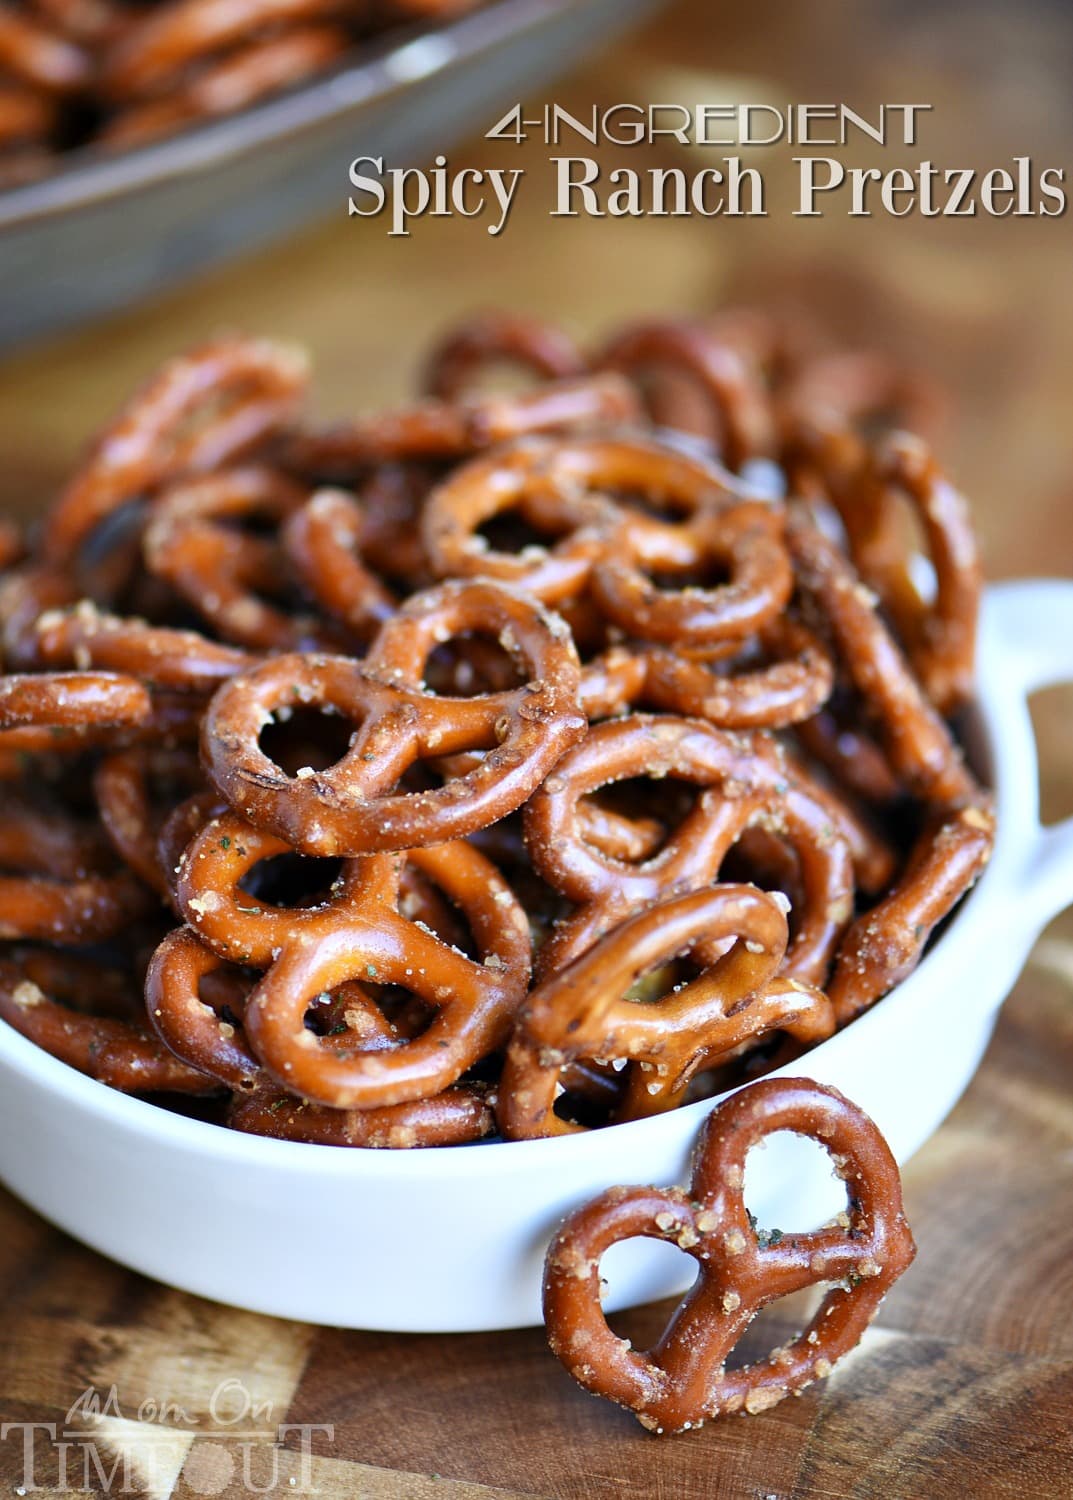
pixel 683 1380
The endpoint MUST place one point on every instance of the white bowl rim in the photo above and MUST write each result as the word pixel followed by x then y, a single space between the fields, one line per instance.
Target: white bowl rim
pixel 1007 740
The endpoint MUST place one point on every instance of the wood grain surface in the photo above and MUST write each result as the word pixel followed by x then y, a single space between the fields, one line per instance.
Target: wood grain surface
pixel 964 1386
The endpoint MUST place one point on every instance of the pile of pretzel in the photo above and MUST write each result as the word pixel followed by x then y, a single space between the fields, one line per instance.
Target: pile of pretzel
pixel 519 761
pixel 123 72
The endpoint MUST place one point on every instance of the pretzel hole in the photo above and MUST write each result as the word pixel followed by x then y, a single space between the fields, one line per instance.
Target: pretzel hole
pixel 513 531
pixel 291 880
pixel 501 375
pixel 763 859
pixel 471 663
pixel 779 1323
pixel 589 1096
pixel 710 572
pixel 790 1186
pixel 651 811
pixel 303 736
pixel 638 1271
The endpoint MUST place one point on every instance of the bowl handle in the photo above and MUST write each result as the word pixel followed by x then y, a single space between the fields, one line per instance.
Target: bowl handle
pixel 1034 620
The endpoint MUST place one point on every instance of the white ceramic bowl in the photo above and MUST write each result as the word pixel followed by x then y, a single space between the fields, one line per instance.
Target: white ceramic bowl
pixel 453 1239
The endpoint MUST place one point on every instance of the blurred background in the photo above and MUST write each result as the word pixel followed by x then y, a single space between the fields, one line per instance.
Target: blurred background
pixel 980 303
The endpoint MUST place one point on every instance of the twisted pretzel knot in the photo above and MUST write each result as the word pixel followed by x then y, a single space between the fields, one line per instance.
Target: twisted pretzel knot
pixel 578 494
pixel 579 1013
pixel 350 808
pixel 683 1380
pixel 749 782
pixel 190 540
pixel 359 933
pixel 713 369
pixel 921 747
pixel 493 339
pixel 200 412
pixel 208 1035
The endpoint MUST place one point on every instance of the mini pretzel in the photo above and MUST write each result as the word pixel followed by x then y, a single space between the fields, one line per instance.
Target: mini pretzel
pixel 440 430
pixel 491 339
pixel 572 490
pixel 921 748
pixel 745 538
pixel 885 945
pixel 200 412
pixel 211 1039
pixel 191 542
pixel 358 933
pixel 939 637
pixel 717 371
pixel 351 808
pixel 683 1380
pixel 749 782
pixel 579 1013
pixel 105 1047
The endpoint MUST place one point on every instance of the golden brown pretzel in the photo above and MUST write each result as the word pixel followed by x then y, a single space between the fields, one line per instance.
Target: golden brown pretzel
pixel 579 1011
pixel 744 539
pixel 351 807
pixel 939 637
pixel 577 493
pixel 359 933
pixel 885 945
pixel 68 711
pixel 746 780
pixel 106 1047
pixel 743 424
pixel 199 412
pixel 57 884
pixel 193 540
pixel 683 1380
pixel 498 338
pixel 124 783
pixel 921 747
